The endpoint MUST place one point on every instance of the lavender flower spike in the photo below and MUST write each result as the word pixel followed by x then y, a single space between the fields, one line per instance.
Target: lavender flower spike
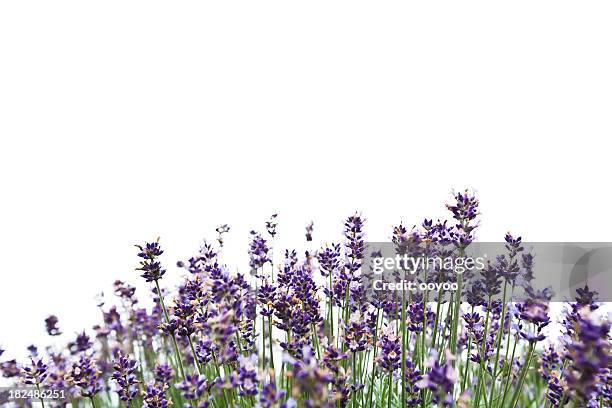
pixel 126 379
pixel 150 267
pixel 51 326
pixel 35 374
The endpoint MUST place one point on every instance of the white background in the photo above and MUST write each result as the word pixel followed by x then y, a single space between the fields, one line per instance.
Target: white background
pixel 121 121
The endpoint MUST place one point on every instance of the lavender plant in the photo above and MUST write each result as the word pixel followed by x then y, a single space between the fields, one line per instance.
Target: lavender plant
pixel 302 332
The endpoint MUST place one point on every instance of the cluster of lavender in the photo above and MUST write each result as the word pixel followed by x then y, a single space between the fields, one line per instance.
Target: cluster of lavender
pixel 302 332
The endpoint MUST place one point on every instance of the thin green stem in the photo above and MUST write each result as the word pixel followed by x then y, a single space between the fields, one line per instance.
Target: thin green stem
pixel 389 390
pixel 195 356
pixel 498 343
pixel 174 343
pixel 508 378
pixel 404 345
pixel 374 360
pixel 263 344
pixel 41 400
pixel 524 371
pixel 270 326
pixel 482 351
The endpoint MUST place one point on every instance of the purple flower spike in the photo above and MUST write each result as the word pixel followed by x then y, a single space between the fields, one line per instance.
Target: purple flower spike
pixel 354 245
pixel 465 210
pixel 556 390
pixel 155 397
pixel 271 225
pixel 35 374
pixel 550 362
pixel 82 343
pixel 9 369
pixel 590 354
pixel 33 350
pixel 150 267
pixel 258 251
pixel 270 396
pixel 440 380
pixel 329 260
pixel 534 312
pixel 125 378
pixel 150 251
pixel 85 375
pixel 221 230
pixel 51 326
pixel 309 229
pixel 413 376
pixel 163 374
pixel 390 350
pixel 311 378
pixel 194 387
pixel 246 377
pixel 357 337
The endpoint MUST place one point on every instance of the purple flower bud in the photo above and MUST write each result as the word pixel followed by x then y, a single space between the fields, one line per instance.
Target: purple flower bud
pixel 271 225
pixel 34 374
pixel 221 230
pixel 150 251
pixel 81 344
pixel 9 369
pixel 309 229
pixel 51 326
pixel 33 350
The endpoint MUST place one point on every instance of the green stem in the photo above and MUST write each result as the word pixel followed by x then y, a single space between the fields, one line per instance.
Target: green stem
pixel 498 343
pixel 374 360
pixel 389 390
pixel 467 365
pixel 403 326
pixel 174 343
pixel 270 334
pixel 482 350
pixel 437 319
pixel 509 377
pixel 331 308
pixel 195 356
pixel 41 400
pixel 524 371
pixel 263 346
